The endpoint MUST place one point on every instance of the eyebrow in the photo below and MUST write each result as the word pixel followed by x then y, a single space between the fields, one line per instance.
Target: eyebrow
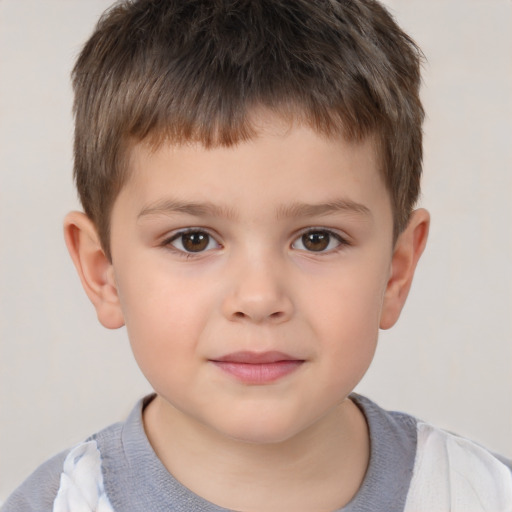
pixel 207 209
pixel 171 206
pixel 317 210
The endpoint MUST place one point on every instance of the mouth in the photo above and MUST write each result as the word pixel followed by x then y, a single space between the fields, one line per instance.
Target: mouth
pixel 258 368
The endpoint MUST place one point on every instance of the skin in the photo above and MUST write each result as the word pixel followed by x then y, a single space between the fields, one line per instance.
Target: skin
pixel 294 254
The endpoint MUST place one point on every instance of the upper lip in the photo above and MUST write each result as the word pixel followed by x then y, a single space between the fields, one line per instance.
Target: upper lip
pixel 247 357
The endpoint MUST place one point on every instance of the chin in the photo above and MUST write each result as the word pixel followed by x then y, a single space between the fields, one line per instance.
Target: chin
pixel 260 430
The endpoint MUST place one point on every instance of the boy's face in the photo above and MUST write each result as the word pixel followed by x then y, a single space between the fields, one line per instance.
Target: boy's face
pixel 252 279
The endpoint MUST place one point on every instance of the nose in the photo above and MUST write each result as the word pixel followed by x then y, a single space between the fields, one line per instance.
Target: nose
pixel 258 294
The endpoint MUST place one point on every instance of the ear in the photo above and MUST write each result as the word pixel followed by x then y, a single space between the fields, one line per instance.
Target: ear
pixel 94 268
pixel 407 252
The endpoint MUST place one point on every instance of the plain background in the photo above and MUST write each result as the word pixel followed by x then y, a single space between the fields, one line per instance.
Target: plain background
pixel 448 361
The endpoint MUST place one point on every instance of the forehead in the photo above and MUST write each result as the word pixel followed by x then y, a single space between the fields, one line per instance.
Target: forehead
pixel 281 163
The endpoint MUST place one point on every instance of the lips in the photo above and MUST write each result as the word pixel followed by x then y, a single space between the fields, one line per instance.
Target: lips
pixel 258 367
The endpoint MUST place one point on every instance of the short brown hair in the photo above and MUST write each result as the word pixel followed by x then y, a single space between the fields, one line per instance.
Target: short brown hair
pixel 194 70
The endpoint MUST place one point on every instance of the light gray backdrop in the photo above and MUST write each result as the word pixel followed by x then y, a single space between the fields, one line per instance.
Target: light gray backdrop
pixel 62 376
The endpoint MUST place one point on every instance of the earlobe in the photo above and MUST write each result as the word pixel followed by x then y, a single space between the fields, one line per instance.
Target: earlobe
pixel 94 268
pixel 408 249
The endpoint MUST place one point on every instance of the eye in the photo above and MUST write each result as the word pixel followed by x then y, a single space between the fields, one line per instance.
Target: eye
pixel 318 240
pixel 193 241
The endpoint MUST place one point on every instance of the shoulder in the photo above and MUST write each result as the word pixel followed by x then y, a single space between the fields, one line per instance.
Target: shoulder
pixel 38 491
pixel 454 473
pixel 432 469
pixel 52 482
pixel 81 481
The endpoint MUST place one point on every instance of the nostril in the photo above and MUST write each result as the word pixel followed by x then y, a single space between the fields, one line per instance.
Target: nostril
pixel 240 315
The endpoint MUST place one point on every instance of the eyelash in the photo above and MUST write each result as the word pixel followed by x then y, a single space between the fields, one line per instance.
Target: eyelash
pixel 168 242
pixel 341 241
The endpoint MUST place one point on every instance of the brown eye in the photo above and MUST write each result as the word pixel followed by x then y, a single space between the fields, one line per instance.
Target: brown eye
pixel 318 240
pixel 193 241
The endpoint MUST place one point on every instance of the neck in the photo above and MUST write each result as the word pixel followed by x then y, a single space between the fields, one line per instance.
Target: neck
pixel 327 460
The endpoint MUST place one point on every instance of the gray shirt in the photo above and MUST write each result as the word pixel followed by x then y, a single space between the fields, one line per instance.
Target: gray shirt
pixel 135 479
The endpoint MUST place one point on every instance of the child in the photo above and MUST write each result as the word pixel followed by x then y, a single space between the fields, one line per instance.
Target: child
pixel 248 172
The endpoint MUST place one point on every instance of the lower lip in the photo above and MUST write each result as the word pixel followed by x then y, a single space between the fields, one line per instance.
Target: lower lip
pixel 260 373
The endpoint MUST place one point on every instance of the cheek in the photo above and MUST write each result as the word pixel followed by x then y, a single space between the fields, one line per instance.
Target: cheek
pixel 346 318
pixel 350 301
pixel 165 315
